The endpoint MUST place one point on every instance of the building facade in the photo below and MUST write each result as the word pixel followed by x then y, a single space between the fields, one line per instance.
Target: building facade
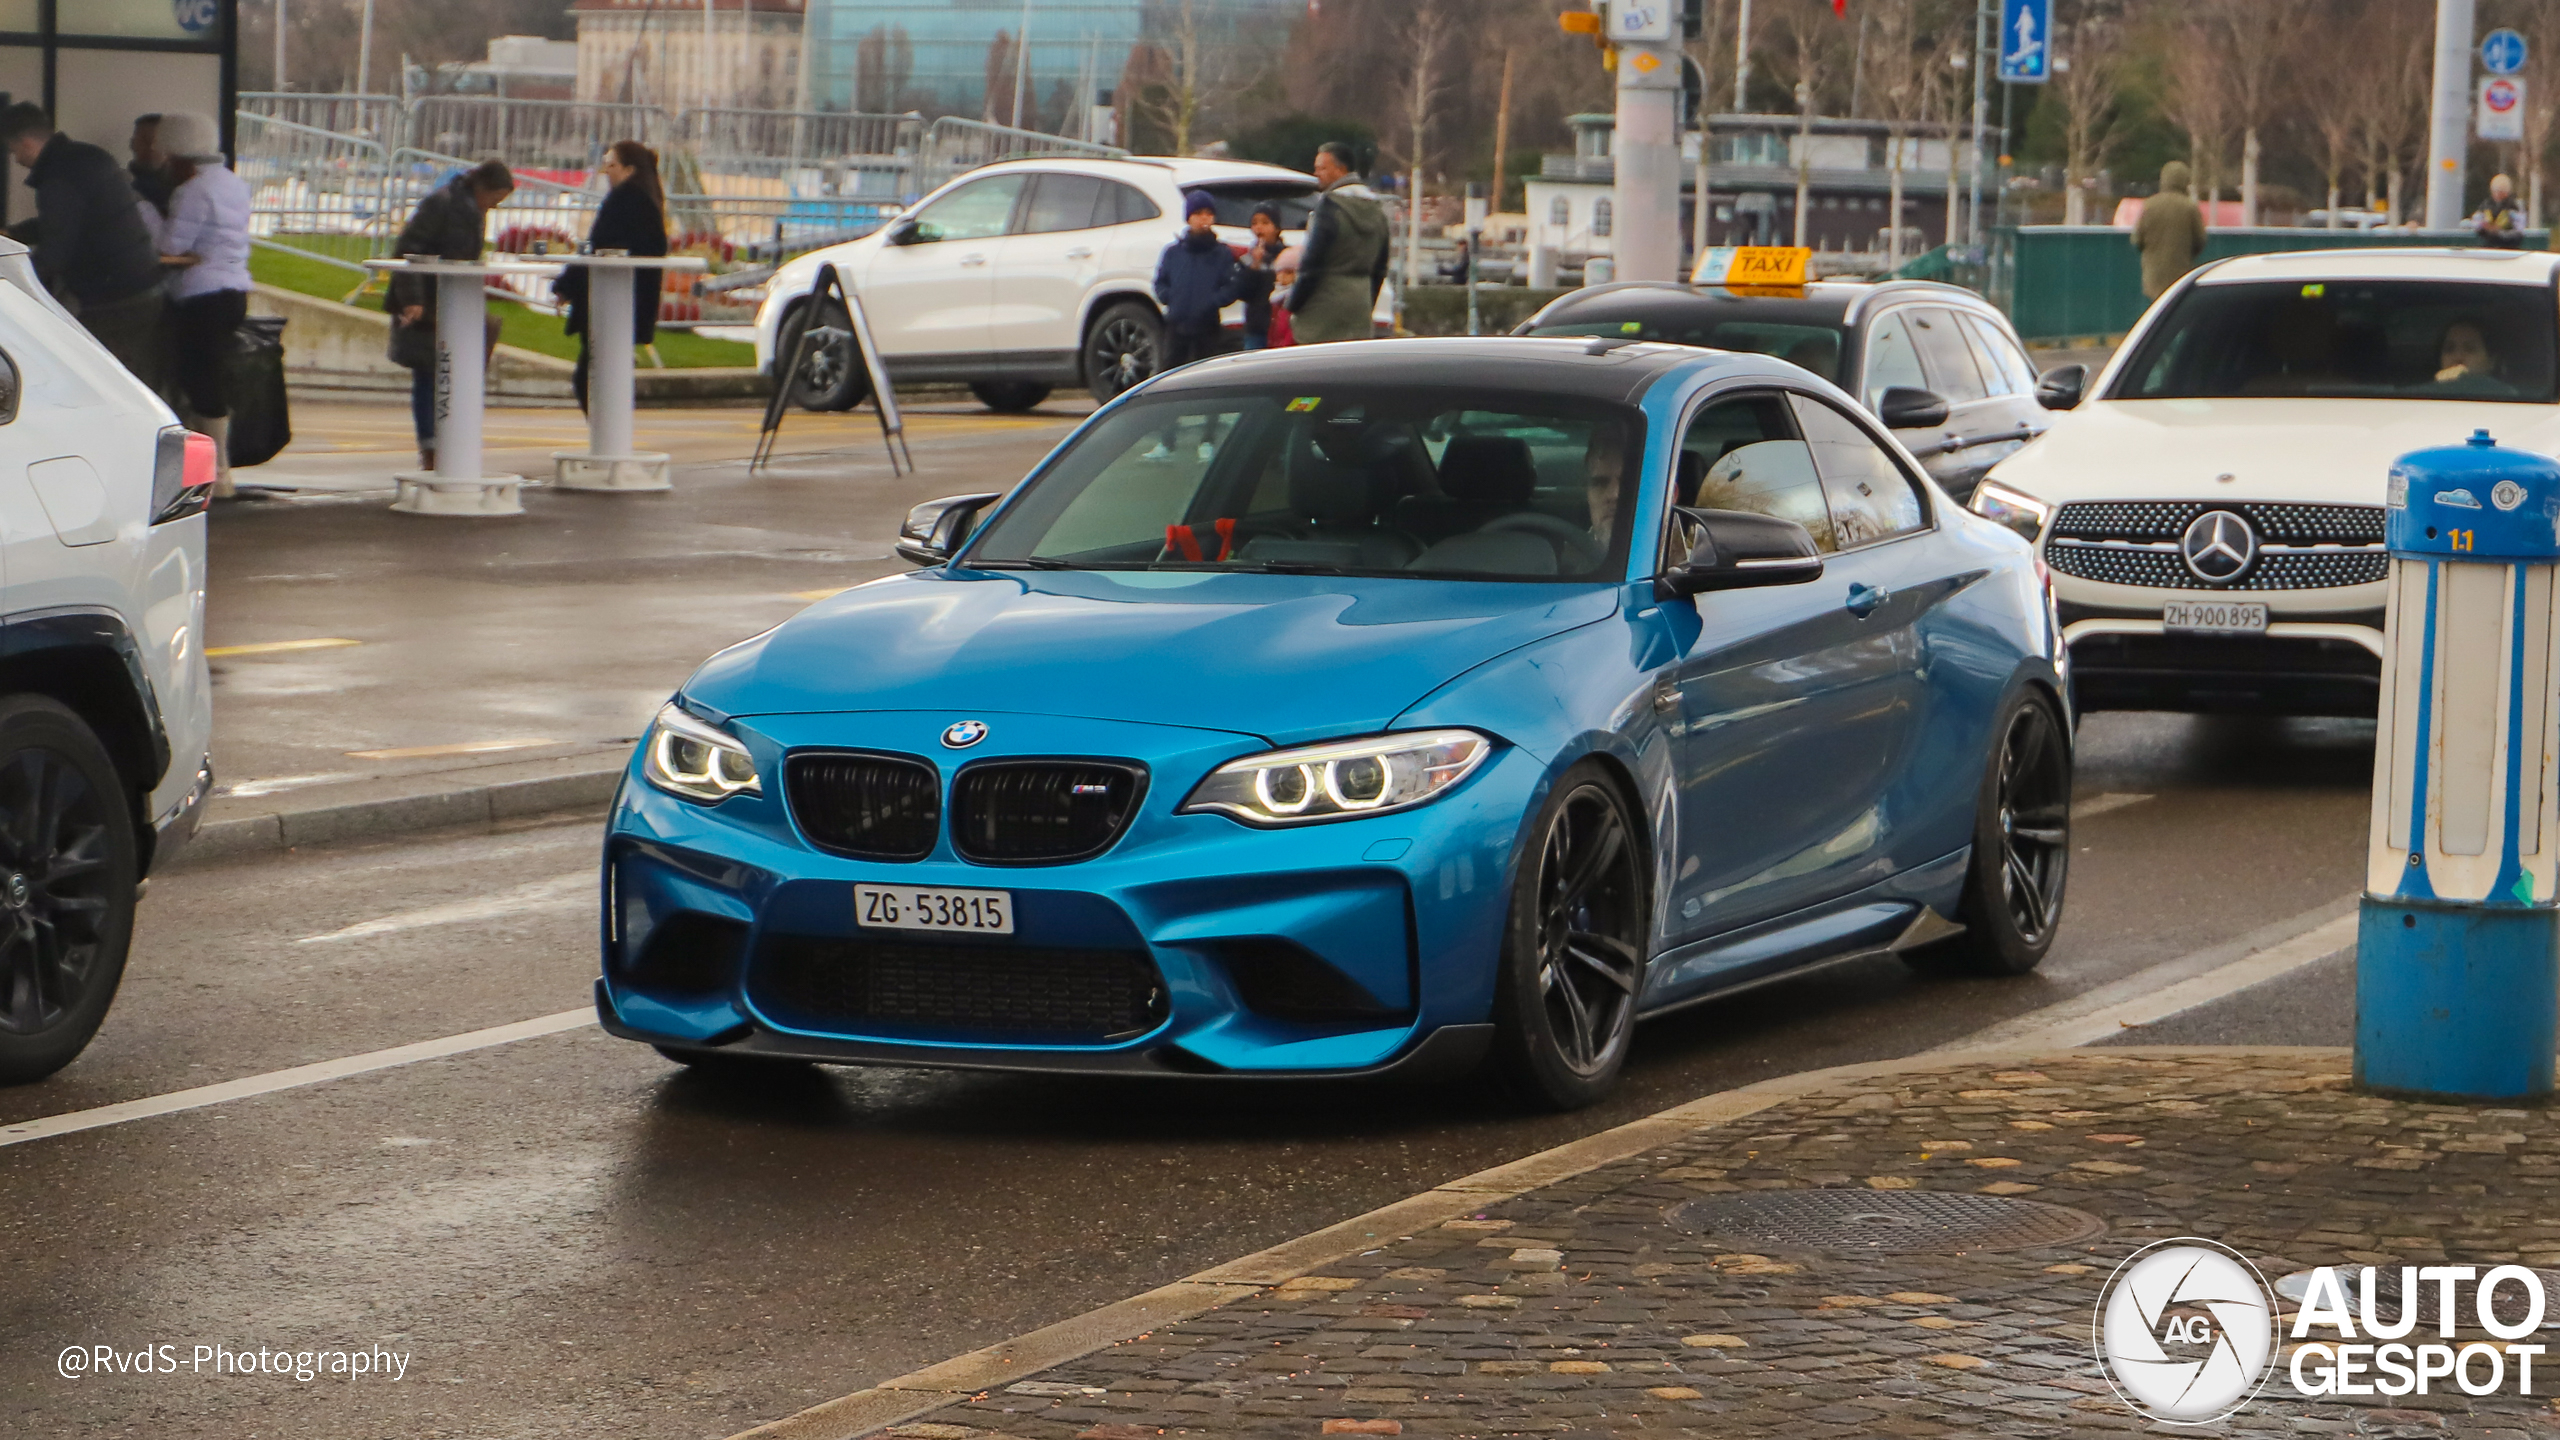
pixel 652 52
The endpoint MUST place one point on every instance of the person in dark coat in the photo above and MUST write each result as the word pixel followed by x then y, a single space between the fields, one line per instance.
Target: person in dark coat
pixel 633 220
pixel 154 178
pixel 1346 255
pixel 1197 277
pixel 91 247
pixel 447 225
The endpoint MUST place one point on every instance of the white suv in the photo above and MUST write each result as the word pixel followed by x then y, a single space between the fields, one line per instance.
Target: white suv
pixel 106 709
pixel 2213 517
pixel 1020 277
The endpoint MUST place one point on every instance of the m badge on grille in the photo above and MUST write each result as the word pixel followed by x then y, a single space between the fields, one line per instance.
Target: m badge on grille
pixel 2219 547
pixel 965 734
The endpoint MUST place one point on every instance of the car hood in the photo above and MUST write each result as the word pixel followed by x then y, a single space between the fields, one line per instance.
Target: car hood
pixel 2337 451
pixel 1288 658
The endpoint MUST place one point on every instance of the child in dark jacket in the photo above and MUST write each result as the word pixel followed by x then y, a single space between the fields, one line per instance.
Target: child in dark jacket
pixel 1197 277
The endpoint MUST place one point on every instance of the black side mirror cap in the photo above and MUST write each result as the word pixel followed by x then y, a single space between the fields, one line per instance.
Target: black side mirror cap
pixel 2062 387
pixel 1906 408
pixel 1738 550
pixel 902 231
pixel 936 529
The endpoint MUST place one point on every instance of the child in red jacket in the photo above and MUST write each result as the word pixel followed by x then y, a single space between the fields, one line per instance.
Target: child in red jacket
pixel 1284 273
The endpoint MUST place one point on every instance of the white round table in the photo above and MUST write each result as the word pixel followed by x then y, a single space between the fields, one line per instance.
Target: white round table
pixel 609 462
pixel 456 486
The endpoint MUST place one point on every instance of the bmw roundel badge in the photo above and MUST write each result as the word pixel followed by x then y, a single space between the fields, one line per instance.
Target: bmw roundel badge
pixel 965 734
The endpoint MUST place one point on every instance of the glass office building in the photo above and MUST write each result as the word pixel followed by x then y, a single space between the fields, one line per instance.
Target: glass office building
pixel 938 56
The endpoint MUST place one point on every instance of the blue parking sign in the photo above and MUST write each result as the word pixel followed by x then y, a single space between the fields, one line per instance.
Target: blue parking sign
pixel 2026 41
pixel 2503 52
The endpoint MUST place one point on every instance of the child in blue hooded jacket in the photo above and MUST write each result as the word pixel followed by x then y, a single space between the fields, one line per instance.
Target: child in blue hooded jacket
pixel 1197 277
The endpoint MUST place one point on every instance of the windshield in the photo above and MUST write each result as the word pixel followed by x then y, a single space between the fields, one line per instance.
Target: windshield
pixel 2350 339
pixel 1815 347
pixel 1350 480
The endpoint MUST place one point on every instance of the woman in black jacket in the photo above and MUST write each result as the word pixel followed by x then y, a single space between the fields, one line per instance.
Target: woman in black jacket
pixel 632 220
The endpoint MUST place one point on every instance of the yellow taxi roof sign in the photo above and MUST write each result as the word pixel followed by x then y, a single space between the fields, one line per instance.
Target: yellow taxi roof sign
pixel 1753 265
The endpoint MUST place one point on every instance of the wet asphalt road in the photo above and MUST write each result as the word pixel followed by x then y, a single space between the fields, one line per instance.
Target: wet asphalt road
pixel 570 1236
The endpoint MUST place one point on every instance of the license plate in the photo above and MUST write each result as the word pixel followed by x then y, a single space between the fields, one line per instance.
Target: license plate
pixel 907 907
pixel 2215 615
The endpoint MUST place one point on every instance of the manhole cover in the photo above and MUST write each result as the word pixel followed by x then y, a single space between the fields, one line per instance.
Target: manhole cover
pixel 1883 1222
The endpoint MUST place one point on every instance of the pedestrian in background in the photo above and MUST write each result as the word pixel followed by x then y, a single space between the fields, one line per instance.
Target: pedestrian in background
pixel 632 221
pixel 206 247
pixel 1260 258
pixel 2500 220
pixel 1284 274
pixel 150 172
pixel 1345 256
pixel 2170 233
pixel 450 224
pixel 91 247
pixel 1196 277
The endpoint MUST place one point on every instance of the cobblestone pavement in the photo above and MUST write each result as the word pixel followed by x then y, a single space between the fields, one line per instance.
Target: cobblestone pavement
pixel 1581 1309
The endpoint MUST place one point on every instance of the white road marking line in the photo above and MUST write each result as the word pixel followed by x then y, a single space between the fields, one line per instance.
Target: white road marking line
pixel 561 892
pixel 299 1075
pixel 2173 986
pixel 251 789
pixel 2100 804
pixel 433 752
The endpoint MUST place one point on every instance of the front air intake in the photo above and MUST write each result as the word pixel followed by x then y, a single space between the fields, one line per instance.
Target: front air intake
pixel 871 807
pixel 1042 812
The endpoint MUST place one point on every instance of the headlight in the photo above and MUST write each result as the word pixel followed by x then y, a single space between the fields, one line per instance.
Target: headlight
pixel 688 758
pixel 1340 779
pixel 2020 512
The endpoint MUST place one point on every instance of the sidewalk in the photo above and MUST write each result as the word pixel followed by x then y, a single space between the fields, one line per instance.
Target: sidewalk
pixel 1581 1308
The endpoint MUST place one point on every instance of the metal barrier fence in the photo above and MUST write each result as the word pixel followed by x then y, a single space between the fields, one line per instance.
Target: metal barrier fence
pixel 952 145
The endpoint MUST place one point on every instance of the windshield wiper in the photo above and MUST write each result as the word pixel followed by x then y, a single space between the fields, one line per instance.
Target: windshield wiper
pixel 1035 562
pixel 1284 567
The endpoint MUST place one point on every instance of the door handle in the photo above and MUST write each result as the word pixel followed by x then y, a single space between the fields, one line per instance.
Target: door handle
pixel 973 259
pixel 1864 600
pixel 1080 253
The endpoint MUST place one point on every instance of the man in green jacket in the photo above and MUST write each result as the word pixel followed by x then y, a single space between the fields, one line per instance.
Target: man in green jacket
pixel 1346 256
pixel 2170 233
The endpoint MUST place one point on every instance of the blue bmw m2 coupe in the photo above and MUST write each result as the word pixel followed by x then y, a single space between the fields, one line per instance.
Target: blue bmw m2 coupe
pixel 1395 708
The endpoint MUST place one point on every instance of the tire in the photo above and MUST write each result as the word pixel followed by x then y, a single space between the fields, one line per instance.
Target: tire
pixel 2013 888
pixel 1122 349
pixel 1010 397
pixel 68 863
pixel 832 377
pixel 1573 946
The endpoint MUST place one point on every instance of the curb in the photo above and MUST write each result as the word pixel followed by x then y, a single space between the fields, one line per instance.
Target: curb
pixel 474 807
pixel 918 1392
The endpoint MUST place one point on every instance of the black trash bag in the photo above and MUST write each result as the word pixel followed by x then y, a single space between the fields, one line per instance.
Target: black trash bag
pixel 253 386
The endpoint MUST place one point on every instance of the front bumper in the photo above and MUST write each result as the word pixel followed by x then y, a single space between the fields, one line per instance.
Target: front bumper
pixel 1360 947
pixel 2309 664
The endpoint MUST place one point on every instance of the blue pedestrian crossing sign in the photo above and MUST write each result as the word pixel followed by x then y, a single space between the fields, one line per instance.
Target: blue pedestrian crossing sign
pixel 2026 41
pixel 2503 52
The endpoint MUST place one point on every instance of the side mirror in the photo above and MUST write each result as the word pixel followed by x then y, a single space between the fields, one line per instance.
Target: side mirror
pixel 2061 387
pixel 1737 550
pixel 936 529
pixel 905 231
pixel 1906 408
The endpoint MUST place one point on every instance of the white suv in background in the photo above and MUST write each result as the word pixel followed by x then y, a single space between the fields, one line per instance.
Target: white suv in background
pixel 106 709
pixel 2213 516
pixel 1019 277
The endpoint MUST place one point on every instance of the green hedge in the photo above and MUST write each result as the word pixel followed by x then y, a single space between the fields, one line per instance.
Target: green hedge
pixel 1442 309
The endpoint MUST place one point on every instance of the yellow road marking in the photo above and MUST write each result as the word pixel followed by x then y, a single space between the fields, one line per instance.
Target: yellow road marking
pixel 275 647
pixel 429 752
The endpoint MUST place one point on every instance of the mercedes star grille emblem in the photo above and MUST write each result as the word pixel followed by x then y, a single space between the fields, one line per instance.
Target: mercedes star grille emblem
pixel 2219 547
pixel 965 734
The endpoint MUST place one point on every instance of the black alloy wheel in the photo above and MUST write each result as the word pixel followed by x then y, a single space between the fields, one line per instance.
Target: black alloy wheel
pixel 830 377
pixel 67 886
pixel 1122 349
pixel 1574 954
pixel 2013 891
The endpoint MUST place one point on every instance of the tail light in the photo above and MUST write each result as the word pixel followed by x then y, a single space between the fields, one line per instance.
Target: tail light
pixel 181 475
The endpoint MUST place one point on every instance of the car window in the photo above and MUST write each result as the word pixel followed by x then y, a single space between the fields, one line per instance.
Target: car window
pixel 1815 347
pixel 979 210
pixel 1063 202
pixel 1869 496
pixel 1950 360
pixel 1236 202
pixel 1892 360
pixel 2350 339
pixel 1746 453
pixel 1355 479
pixel 1127 204
pixel 1997 354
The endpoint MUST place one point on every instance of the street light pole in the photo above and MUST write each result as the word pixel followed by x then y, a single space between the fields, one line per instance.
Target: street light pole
pixel 1982 61
pixel 364 54
pixel 279 45
pixel 2449 124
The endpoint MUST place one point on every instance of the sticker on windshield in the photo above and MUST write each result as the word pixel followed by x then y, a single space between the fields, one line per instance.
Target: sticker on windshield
pixel 1631 327
pixel 2314 292
pixel 1304 403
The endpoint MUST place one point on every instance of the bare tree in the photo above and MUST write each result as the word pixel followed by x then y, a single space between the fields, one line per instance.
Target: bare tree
pixel 1191 71
pixel 2086 81
pixel 1898 69
pixel 2199 102
pixel 2330 94
pixel 1429 36
pixel 1813 42
pixel 2542 75
pixel 884 66
pixel 2390 94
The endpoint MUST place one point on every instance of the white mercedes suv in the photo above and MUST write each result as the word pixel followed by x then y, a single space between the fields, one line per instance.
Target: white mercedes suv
pixel 1019 277
pixel 106 708
pixel 2212 513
